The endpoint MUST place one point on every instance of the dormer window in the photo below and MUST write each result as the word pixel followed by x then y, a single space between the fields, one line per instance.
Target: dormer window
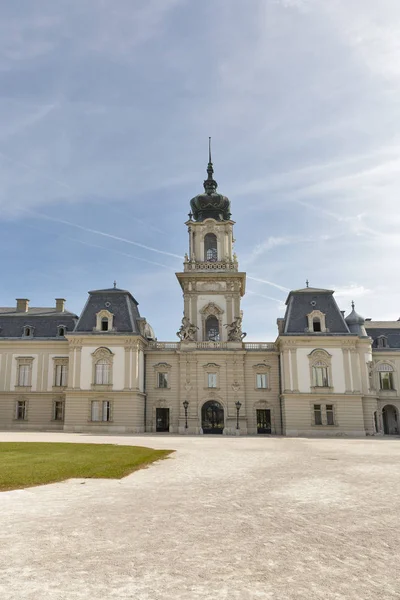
pixel 61 330
pixel 316 324
pixel 104 321
pixel 382 341
pixel 210 247
pixel 28 331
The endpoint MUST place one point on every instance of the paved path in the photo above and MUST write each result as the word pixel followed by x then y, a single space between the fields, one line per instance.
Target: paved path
pixel 224 518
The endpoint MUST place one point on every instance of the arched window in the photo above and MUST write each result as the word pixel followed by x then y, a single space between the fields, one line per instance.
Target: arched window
pixel 28 331
pixel 316 324
pixel 102 372
pixel 104 324
pixel 212 329
pixel 320 374
pixel 385 376
pixel 210 247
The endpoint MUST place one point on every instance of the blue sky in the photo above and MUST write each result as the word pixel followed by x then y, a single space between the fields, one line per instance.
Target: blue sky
pixel 106 107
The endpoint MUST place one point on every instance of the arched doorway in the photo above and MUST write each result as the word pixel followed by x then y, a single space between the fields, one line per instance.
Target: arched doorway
pixel 390 420
pixel 212 417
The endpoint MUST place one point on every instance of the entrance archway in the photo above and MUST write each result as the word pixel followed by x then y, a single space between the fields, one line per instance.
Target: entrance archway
pixel 390 420
pixel 212 417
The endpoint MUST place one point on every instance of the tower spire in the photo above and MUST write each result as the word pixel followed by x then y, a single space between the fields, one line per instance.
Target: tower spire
pixel 210 185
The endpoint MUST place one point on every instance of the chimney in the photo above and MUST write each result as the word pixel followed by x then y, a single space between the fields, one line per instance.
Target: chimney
pixel 22 304
pixel 60 302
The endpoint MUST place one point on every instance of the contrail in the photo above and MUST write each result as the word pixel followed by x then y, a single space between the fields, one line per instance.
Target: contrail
pixel 103 233
pixel 67 237
pixel 263 296
pixel 279 287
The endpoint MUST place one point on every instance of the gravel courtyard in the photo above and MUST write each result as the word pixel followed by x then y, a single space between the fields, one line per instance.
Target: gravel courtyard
pixel 223 518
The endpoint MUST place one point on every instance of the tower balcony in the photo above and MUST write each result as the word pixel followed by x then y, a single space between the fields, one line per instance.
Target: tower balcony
pixel 218 265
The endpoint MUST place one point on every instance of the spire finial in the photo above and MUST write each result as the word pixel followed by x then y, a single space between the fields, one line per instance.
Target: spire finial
pixel 306 282
pixel 352 304
pixel 115 284
pixel 210 185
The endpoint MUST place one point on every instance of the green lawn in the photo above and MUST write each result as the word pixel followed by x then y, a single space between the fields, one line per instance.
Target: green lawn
pixel 26 464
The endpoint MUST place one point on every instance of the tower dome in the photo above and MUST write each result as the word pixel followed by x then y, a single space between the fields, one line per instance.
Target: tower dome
pixel 210 204
pixel 356 323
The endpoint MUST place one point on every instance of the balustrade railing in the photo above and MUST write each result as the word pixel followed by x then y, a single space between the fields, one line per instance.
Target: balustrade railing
pixel 259 346
pixel 252 346
pixel 223 265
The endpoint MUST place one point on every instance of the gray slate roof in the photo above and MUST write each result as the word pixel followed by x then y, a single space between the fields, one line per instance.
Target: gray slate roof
pixel 45 322
pixel 389 329
pixel 119 302
pixel 301 302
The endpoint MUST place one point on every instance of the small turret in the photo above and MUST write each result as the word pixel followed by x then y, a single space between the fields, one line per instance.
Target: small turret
pixel 356 323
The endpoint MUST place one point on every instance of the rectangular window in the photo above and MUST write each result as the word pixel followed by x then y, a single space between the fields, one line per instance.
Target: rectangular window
pixel 58 410
pixel 106 410
pixel 321 376
pixel 61 375
pixel 102 372
pixel 317 414
pixel 261 380
pixel 329 415
pixel 24 375
pixel 101 411
pixel 386 380
pixel 212 380
pixel 20 410
pixel 162 380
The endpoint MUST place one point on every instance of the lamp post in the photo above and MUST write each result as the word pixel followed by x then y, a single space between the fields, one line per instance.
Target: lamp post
pixel 238 404
pixel 185 406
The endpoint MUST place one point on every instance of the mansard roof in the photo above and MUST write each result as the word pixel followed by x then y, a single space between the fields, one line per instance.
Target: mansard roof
pixel 301 303
pixel 45 322
pixel 120 303
pixel 388 329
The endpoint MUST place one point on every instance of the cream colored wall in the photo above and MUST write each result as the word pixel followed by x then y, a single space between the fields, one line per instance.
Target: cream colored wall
pixel 86 372
pixel 34 376
pixel 349 415
pixel 163 397
pixel 259 398
pixel 141 370
pixel 127 412
pixel 235 381
pixel 303 368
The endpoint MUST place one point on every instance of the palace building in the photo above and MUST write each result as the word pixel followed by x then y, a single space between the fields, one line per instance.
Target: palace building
pixel 105 370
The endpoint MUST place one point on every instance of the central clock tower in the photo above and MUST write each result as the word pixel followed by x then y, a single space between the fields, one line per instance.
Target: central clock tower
pixel 211 282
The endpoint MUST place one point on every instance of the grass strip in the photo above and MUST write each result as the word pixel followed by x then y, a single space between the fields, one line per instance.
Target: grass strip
pixel 26 464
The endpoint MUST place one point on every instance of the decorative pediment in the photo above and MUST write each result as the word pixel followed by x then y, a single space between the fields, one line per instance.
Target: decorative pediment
pixel 319 354
pixel 211 309
pixel 262 367
pixel 209 366
pixel 102 353
pixel 162 366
